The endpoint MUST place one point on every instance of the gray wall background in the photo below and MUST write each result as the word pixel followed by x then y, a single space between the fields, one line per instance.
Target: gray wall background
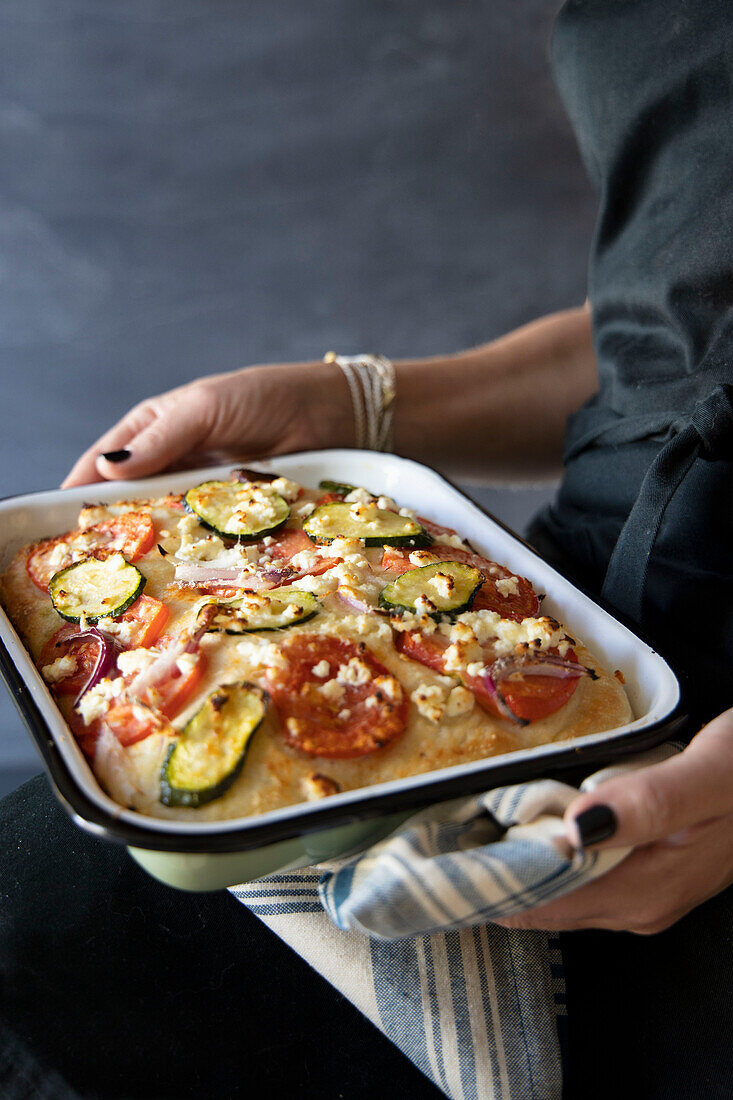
pixel 188 186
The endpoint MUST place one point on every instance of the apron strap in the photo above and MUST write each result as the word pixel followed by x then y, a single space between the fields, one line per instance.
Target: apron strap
pixel 707 433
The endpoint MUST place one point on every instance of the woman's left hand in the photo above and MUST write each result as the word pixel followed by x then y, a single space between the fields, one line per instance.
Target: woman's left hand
pixel 678 818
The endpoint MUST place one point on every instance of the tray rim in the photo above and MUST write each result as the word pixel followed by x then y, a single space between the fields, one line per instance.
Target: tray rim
pixel 363 803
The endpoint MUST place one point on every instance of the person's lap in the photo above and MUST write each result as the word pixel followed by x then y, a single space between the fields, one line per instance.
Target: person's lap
pixel 130 989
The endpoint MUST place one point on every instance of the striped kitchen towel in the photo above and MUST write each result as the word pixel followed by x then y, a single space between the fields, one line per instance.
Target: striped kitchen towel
pixel 403 930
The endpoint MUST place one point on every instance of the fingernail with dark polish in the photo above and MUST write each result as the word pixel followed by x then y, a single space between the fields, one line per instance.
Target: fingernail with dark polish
pixel 595 824
pixel 117 456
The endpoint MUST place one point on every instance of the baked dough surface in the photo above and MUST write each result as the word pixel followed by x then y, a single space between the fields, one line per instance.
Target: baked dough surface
pixel 274 774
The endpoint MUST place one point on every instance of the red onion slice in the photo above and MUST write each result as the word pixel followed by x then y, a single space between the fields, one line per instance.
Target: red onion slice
pixel 499 701
pixel 539 664
pixel 162 667
pixel 352 600
pixel 208 574
pixel 106 656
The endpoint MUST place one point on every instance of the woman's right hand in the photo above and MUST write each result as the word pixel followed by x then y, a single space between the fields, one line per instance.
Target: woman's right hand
pixel 250 413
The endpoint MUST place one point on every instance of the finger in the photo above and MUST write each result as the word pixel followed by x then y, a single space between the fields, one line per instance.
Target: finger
pixel 658 801
pixel 84 471
pixel 182 425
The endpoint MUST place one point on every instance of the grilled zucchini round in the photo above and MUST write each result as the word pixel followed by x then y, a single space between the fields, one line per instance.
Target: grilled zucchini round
pixel 442 588
pixel 209 754
pixel 95 587
pixel 373 525
pixel 237 509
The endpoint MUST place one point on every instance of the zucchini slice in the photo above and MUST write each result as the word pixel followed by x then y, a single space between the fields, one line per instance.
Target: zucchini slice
pixel 341 487
pixel 376 526
pixel 97 588
pixel 207 757
pixel 252 612
pixel 237 509
pixel 449 586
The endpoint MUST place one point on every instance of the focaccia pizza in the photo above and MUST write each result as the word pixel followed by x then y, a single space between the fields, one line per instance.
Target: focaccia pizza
pixel 252 643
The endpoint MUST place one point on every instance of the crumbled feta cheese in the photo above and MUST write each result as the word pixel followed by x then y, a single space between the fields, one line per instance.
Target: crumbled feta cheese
pixel 135 660
pixel 59 669
pixel 508 586
pixel 408 513
pixel 460 702
pixel 123 629
pixel 351 550
pixel 304 509
pixel 476 668
pixel 453 659
pixel 364 512
pixel 344 714
pixel 429 700
pixel 389 687
pixel 461 632
pixel 322 669
pixel 58 556
pixel 450 540
pixel 288 490
pixel 355 673
pixel 95 702
pixel 332 690
pixel 305 560
pixel 408 623
pixel 443 584
pixel 258 652
pixel 319 586
pixel 424 606
pixel 186 663
pixel 358 496
pixel 317 786
pixel 422 557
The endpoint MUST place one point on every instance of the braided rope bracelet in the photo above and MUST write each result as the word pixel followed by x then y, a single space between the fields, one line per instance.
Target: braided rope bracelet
pixel 371 381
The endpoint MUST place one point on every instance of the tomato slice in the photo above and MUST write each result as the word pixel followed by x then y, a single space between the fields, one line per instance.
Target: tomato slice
pixel 286 544
pixel 517 605
pixel 84 653
pixel 148 617
pixel 132 534
pixel 171 695
pixel 356 719
pixel 528 697
pixel 130 722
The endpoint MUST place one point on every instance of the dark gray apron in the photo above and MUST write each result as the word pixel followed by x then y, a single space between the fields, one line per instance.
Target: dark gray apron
pixel 645 513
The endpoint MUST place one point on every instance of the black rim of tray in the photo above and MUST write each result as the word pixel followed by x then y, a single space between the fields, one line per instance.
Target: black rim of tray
pixel 258 832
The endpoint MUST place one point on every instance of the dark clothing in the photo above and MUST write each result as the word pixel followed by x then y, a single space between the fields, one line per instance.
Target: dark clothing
pixel 133 991
pixel 648 85
pixel 645 512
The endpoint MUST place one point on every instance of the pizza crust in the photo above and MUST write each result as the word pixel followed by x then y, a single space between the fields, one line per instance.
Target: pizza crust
pixel 274 774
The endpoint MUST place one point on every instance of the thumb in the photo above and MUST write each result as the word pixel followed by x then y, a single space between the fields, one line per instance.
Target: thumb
pixel 657 802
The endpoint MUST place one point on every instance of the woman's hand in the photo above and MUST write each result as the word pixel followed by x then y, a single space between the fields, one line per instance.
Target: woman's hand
pixel 246 414
pixel 678 817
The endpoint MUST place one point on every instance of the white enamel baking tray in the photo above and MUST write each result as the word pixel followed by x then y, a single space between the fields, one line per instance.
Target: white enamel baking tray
pixel 215 854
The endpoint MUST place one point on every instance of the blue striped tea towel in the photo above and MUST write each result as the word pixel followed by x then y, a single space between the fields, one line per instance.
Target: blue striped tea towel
pixel 403 930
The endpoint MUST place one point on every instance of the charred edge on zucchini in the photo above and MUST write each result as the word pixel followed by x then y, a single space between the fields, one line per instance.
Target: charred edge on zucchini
pixel 209 753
